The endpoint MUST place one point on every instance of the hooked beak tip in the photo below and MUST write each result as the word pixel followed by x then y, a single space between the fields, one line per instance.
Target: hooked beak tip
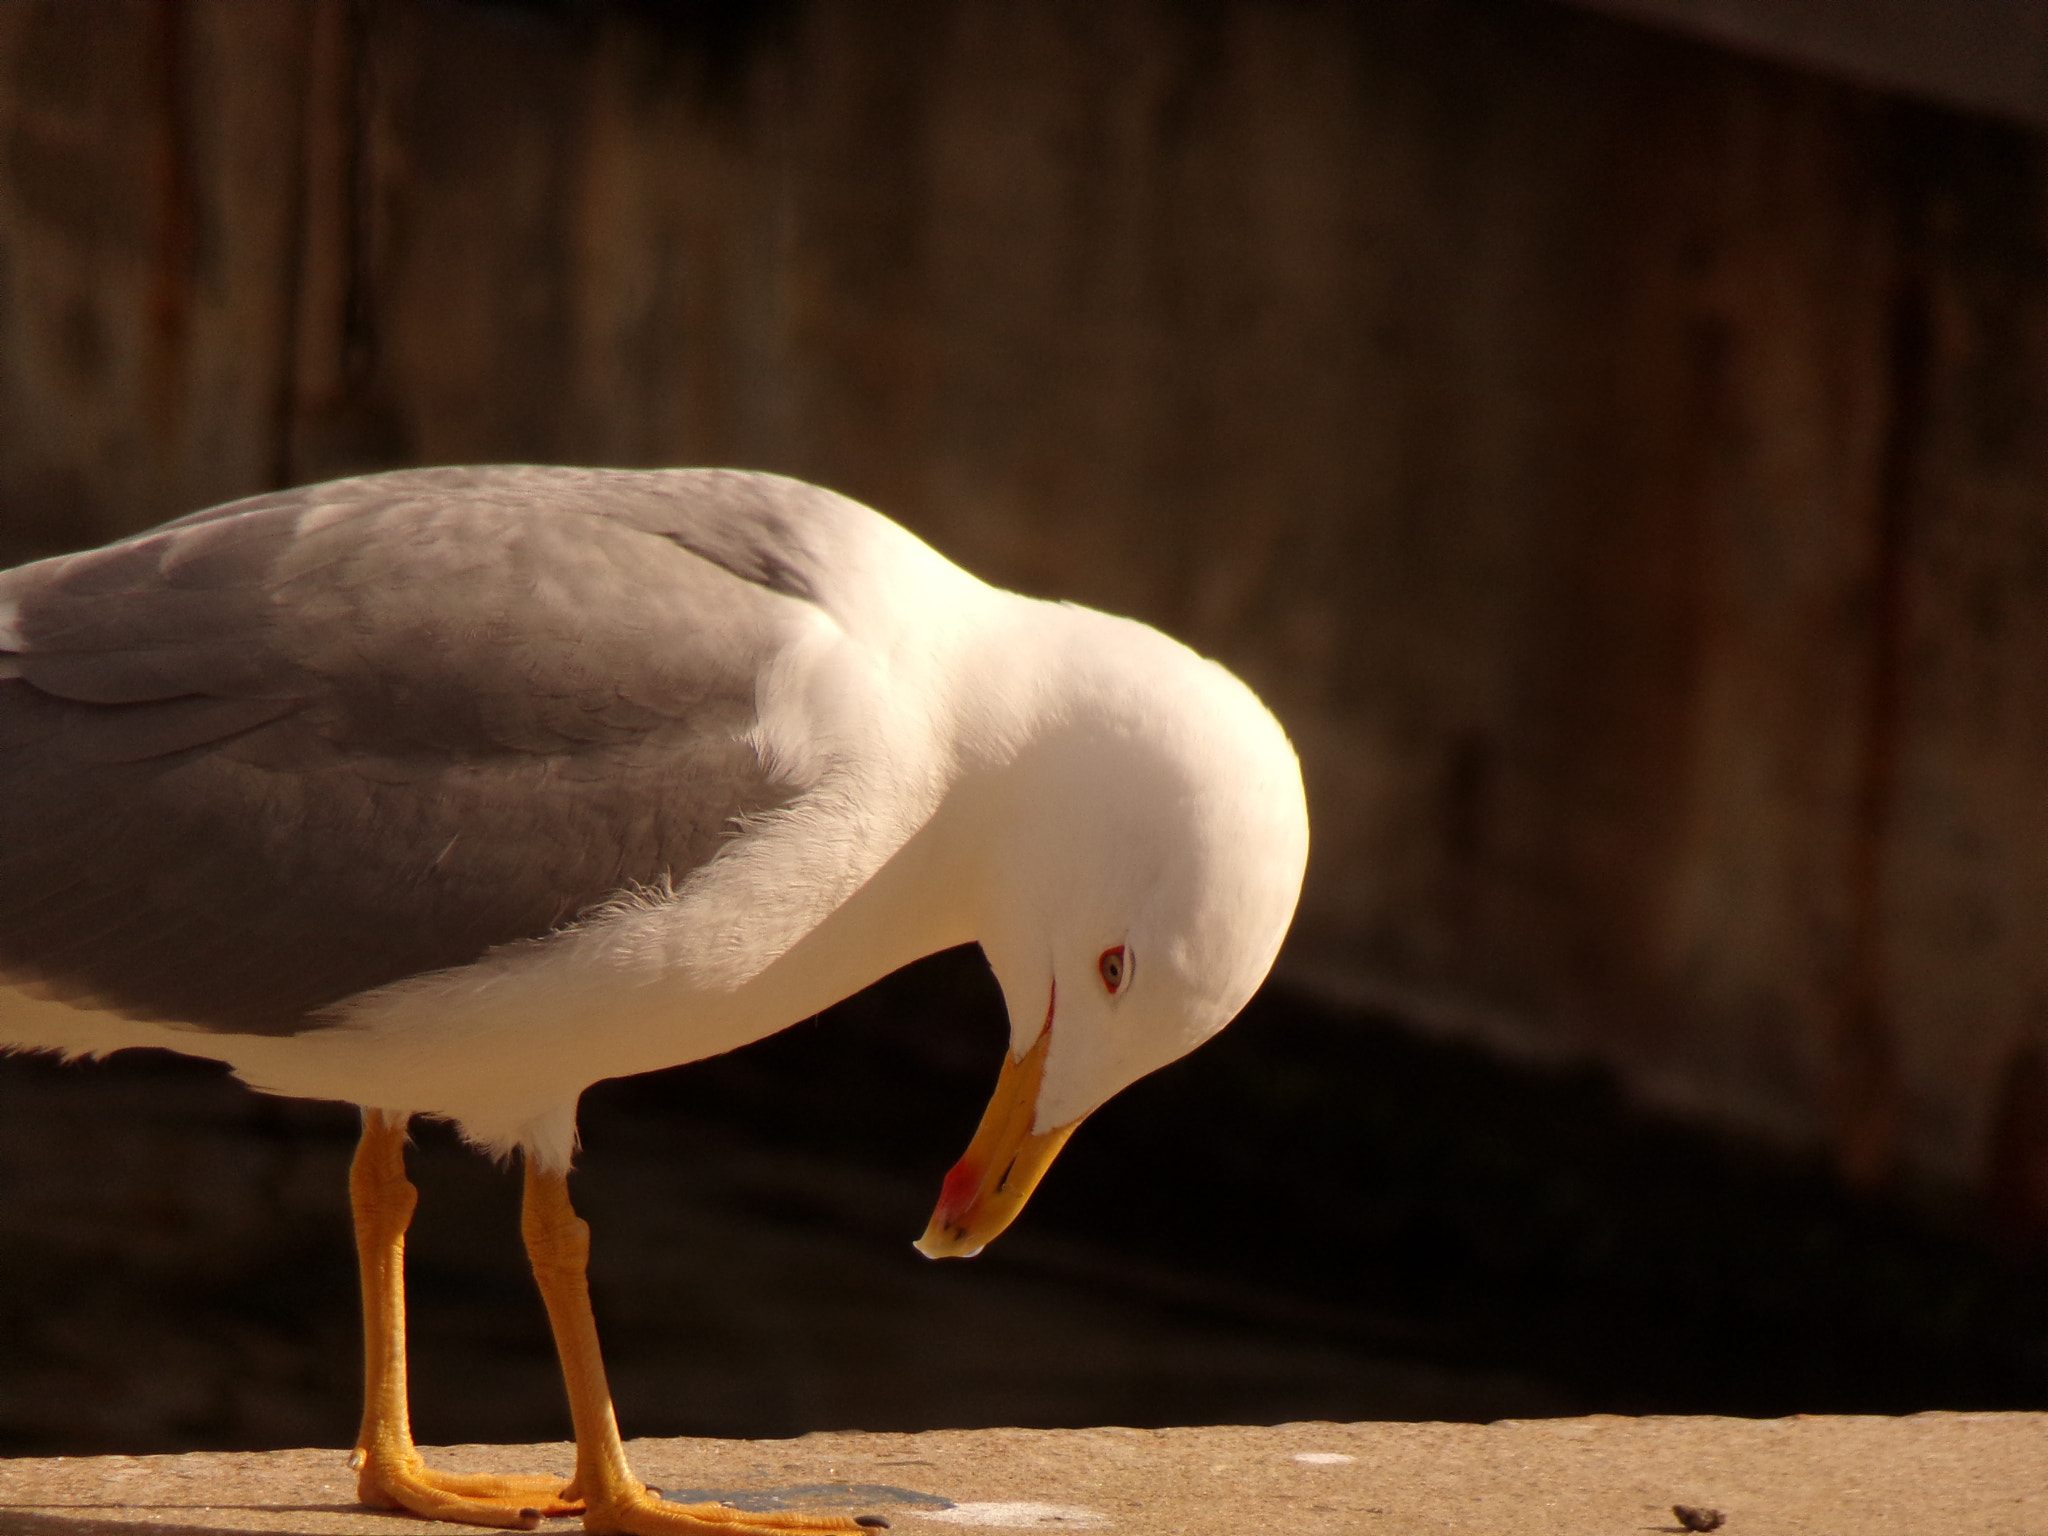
pixel 935 1248
pixel 989 1185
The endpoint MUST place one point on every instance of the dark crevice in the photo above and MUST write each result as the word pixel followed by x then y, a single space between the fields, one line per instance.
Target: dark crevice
pixel 171 273
pixel 1865 1087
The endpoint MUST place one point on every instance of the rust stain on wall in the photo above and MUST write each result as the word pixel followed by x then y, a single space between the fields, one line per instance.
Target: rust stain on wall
pixel 336 420
pixel 172 250
pixel 1866 1102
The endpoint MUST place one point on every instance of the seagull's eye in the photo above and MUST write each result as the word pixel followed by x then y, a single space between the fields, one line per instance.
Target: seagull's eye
pixel 1115 968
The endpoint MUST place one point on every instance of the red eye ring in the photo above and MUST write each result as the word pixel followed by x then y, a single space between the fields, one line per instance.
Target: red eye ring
pixel 1114 968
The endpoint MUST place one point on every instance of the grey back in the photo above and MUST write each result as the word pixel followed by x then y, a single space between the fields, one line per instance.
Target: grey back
pixel 276 753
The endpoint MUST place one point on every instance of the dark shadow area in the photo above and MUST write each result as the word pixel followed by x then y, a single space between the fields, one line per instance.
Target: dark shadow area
pixel 1318 1215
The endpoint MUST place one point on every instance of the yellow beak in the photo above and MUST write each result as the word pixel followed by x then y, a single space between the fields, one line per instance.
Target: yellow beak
pixel 1002 1165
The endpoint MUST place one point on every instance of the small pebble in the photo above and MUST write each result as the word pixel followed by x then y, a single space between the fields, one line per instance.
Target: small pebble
pixel 1698 1519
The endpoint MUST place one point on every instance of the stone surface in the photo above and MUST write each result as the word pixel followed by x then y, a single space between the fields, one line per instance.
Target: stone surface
pixel 1934 1474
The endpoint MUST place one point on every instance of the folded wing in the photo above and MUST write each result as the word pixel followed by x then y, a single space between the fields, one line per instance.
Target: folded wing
pixel 280 752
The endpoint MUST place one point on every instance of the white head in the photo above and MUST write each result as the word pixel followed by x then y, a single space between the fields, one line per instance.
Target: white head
pixel 1150 839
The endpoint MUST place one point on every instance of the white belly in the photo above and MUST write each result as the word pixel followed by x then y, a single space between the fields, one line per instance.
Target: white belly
pixel 505 1047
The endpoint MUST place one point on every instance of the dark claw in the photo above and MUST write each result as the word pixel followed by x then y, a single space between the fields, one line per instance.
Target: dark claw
pixel 876 1521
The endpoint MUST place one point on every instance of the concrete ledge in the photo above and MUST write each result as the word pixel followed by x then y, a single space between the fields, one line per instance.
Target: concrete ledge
pixel 1934 1474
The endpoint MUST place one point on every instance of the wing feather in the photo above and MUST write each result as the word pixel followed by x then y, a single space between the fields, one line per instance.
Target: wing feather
pixel 280 752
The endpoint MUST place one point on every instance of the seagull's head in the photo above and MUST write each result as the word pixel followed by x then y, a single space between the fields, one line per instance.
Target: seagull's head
pixel 1146 850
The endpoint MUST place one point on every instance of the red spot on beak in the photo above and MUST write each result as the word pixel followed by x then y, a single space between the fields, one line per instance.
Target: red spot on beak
pixel 958 1192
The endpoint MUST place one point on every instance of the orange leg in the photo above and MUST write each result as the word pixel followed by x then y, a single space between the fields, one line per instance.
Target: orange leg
pixel 618 1503
pixel 390 1473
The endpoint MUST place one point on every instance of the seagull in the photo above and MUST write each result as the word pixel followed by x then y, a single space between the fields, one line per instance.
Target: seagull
pixel 450 792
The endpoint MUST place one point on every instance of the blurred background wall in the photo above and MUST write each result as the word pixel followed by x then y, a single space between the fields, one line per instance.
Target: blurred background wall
pixel 1615 439
pixel 1622 463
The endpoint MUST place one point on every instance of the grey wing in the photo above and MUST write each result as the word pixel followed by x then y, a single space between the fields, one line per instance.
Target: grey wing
pixel 272 755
